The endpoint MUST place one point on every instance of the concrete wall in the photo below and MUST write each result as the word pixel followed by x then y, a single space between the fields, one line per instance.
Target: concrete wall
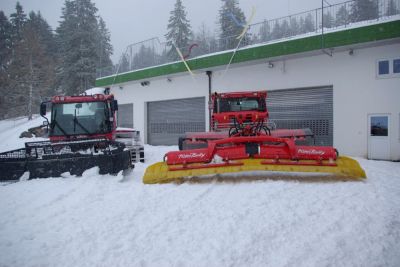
pixel 356 88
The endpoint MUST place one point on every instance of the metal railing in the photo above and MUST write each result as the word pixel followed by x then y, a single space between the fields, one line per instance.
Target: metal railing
pixel 327 18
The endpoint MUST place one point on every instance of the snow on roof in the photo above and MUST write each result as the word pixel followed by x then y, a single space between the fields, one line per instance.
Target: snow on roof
pixel 95 90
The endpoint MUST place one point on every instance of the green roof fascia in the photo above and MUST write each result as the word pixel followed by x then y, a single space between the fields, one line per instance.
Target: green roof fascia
pixel 364 34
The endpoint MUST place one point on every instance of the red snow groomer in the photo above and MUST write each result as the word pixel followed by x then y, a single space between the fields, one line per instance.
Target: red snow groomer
pixel 83 134
pixel 243 140
pixel 239 112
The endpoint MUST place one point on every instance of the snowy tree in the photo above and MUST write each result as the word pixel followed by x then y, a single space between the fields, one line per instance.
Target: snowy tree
pixel 44 31
pixel 5 57
pixel 18 19
pixel 6 43
pixel 104 47
pixel 145 57
pixel 277 31
pixel 328 20
pixel 79 39
pixel 14 93
pixel 307 24
pixel 294 26
pixel 123 65
pixel 179 30
pixel 48 51
pixel 301 25
pixel 265 32
pixel 32 68
pixel 204 40
pixel 391 9
pixel 285 28
pixel 364 10
pixel 27 72
pixel 342 17
pixel 231 20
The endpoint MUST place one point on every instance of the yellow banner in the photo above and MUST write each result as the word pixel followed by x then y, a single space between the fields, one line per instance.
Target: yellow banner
pixel 183 59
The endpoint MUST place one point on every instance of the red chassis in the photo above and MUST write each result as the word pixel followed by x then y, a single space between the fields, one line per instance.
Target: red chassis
pixel 274 150
pixel 234 112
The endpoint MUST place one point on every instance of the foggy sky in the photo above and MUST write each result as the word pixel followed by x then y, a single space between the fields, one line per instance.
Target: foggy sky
pixel 132 21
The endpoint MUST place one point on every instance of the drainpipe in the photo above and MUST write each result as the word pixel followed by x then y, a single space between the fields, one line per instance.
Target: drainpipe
pixel 209 74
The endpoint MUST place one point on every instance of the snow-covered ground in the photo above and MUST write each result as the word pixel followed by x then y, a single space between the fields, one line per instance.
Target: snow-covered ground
pixel 105 220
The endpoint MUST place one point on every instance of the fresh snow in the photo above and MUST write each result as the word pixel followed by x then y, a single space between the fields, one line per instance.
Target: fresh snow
pixel 106 220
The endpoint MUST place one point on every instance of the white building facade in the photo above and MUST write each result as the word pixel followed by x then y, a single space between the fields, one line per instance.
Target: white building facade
pixel 348 91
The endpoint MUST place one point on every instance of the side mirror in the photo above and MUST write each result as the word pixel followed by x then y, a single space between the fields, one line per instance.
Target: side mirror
pixel 43 109
pixel 114 105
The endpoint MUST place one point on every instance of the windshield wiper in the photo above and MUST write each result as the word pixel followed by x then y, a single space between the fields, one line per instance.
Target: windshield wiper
pixel 58 125
pixel 80 125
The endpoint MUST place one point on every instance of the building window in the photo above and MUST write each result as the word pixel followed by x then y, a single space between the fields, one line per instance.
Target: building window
pixel 383 67
pixel 396 66
pixel 379 125
pixel 388 68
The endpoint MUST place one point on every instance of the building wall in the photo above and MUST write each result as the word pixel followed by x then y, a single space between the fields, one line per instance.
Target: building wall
pixel 183 86
pixel 356 88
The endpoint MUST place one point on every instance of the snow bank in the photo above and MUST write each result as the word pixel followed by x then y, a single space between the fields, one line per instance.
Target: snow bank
pixel 11 129
pixel 105 220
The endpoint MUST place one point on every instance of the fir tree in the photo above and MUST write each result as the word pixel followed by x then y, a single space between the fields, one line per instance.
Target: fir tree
pixel 328 20
pixel 213 44
pixel 16 95
pixel 277 31
pixel 47 49
pixel 301 26
pixel 342 17
pixel 78 38
pixel 45 33
pixel 285 28
pixel 179 30
pixel 204 39
pixel 265 32
pixel 308 25
pixel 5 43
pixel 146 57
pixel 391 9
pixel 294 26
pixel 230 15
pixel 123 65
pixel 364 10
pixel 28 62
pixel 5 57
pixel 18 19
pixel 32 69
pixel 104 47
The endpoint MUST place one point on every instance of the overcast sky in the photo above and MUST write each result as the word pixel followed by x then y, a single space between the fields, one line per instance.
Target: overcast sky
pixel 132 21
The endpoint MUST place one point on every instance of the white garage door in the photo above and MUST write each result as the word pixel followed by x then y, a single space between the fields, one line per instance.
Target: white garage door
pixel 170 119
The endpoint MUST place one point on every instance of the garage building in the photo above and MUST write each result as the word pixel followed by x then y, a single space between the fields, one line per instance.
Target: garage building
pixel 347 92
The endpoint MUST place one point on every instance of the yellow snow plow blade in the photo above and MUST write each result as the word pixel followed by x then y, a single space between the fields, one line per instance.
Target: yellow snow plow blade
pixel 347 168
